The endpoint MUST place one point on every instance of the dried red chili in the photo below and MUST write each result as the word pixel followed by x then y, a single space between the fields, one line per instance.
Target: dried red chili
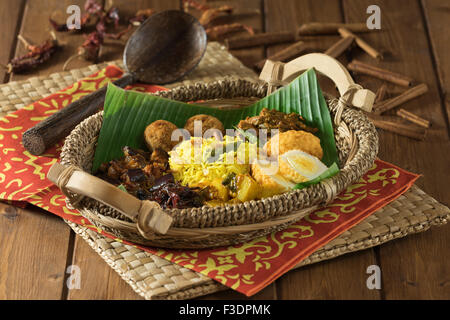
pixel 62 27
pixel 91 47
pixel 113 15
pixel 95 10
pixel 92 8
pixel 36 55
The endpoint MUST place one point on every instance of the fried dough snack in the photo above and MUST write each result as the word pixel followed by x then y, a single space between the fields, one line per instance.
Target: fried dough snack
pixel 295 140
pixel 158 135
pixel 268 182
pixel 208 122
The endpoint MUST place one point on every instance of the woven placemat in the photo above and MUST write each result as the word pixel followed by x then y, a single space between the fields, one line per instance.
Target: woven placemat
pixel 156 278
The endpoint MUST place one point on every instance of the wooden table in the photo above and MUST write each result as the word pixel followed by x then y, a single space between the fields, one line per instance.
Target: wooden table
pixel 36 247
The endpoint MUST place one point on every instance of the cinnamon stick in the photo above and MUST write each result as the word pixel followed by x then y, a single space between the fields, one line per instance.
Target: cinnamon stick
pixel 380 73
pixel 381 93
pixel 408 95
pixel 406 130
pixel 413 118
pixel 260 39
pixel 361 43
pixel 317 28
pixel 290 52
pixel 339 47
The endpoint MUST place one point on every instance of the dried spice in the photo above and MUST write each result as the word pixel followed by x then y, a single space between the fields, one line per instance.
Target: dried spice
pixel 37 55
pixel 210 14
pixel 62 27
pixel 96 13
pixel 221 30
pixel 91 48
pixel 195 5
pixel 113 15
pixel 141 16
pixel 92 8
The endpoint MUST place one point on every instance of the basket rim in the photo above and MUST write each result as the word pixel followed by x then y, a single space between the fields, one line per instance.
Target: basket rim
pixel 318 194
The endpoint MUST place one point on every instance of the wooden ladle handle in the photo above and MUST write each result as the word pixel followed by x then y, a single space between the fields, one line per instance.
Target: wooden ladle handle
pixel 277 72
pixel 56 127
pixel 148 215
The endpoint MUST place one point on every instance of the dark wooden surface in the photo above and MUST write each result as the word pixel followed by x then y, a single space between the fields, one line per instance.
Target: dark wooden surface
pixel 36 247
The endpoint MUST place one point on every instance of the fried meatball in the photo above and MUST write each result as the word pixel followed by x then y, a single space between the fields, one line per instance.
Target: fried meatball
pixel 296 140
pixel 158 135
pixel 208 122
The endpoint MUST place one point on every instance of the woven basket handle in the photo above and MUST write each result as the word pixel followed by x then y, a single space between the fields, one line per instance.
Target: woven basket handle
pixel 279 74
pixel 148 215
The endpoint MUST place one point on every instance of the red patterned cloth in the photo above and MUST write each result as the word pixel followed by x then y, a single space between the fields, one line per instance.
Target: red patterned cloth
pixel 247 267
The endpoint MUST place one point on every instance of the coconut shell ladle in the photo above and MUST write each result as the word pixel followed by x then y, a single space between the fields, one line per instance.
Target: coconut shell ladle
pixel 166 47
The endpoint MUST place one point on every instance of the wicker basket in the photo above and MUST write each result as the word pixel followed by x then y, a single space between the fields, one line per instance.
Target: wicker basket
pixel 145 223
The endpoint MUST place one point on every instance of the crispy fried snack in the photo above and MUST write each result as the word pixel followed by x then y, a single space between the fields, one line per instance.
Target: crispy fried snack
pixel 295 140
pixel 158 135
pixel 208 122
pixel 271 184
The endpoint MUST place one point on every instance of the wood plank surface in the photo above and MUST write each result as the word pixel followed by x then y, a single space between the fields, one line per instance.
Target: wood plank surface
pixel 296 13
pixel 344 277
pixel 268 293
pixel 437 14
pixel 341 278
pixel 417 266
pixel 248 13
pixel 34 245
pixel 98 280
pixel 10 17
pixel 41 10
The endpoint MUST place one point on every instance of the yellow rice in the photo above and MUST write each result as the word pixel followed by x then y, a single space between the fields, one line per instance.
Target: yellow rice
pixel 192 165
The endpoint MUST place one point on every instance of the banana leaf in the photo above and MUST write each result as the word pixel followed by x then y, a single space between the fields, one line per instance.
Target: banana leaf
pixel 127 113
pixel 330 172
